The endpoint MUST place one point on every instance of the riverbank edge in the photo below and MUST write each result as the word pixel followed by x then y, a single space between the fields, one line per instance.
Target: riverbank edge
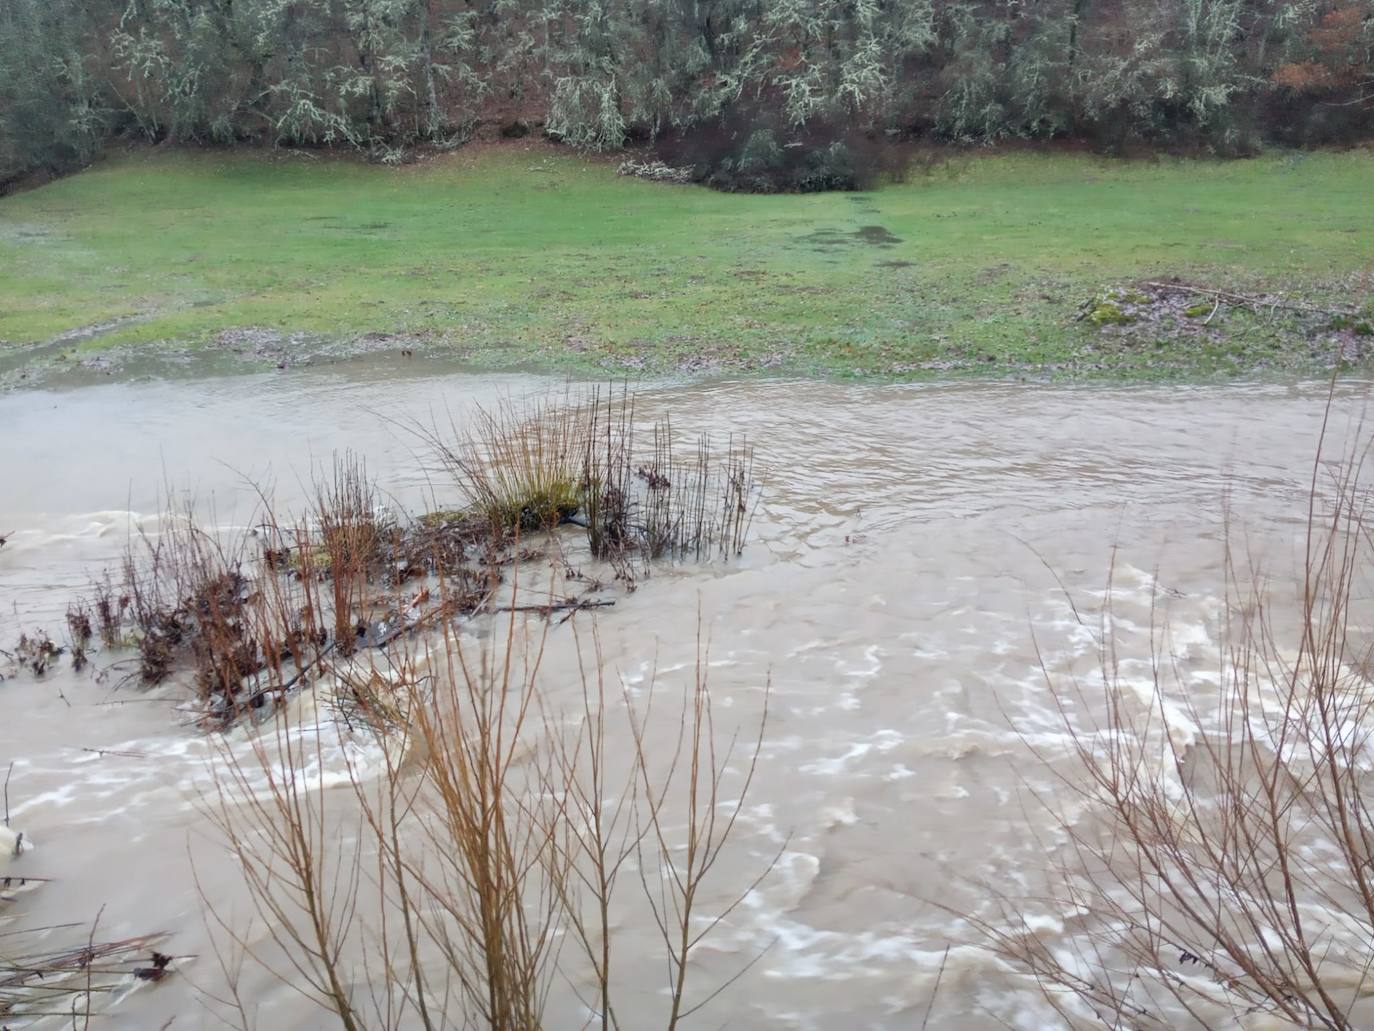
pixel 141 363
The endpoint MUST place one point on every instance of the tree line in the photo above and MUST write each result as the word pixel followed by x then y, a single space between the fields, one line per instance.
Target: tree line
pixel 755 83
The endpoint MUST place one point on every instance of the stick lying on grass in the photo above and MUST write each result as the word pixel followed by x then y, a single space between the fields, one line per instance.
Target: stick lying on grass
pixel 1249 300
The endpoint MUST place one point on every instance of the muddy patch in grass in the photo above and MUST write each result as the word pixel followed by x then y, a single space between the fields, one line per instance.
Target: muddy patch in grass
pixel 877 236
pixel 258 346
pixel 833 239
pixel 22 233
pixel 362 227
pixel 19 364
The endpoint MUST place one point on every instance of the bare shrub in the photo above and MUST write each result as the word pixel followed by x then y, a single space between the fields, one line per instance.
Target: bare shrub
pixel 251 618
pixel 493 828
pixel 37 652
pixel 187 596
pixel 1223 870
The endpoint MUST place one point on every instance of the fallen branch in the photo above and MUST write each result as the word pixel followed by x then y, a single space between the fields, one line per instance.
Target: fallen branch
pixel 570 604
pixel 1248 300
pixel 103 958
pixel 656 171
pixel 100 753
pixel 10 884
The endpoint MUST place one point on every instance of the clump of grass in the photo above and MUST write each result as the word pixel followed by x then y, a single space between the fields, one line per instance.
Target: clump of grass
pixel 650 502
pixel 521 464
pixel 582 459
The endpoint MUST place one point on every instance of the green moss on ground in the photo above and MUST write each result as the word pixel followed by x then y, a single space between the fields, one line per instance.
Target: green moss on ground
pixel 529 255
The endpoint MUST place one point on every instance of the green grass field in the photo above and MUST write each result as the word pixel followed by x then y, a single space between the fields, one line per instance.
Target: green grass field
pixel 530 255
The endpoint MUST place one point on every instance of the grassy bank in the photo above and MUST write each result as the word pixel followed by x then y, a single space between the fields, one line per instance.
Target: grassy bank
pixel 530 255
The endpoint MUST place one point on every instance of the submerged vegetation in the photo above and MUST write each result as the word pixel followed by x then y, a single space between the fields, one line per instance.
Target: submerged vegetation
pixel 173 261
pixel 65 973
pixel 73 982
pixel 533 468
pixel 251 617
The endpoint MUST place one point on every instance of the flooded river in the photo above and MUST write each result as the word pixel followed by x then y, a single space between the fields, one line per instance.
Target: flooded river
pixel 912 562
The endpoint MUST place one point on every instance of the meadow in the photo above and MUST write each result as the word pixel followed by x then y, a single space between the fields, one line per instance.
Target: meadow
pixel 524 254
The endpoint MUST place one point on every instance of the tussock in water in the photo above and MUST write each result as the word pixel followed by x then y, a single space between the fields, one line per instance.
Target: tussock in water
pixel 583 459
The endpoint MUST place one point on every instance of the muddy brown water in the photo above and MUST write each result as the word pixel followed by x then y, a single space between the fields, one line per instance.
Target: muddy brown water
pixel 906 576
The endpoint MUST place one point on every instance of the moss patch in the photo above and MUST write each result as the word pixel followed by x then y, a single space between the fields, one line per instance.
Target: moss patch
pixel 1109 313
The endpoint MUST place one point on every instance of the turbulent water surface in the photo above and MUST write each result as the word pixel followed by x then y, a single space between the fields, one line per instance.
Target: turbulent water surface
pixel 918 553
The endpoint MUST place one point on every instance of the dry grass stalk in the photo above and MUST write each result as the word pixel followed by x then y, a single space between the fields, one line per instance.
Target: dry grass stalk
pixel 695 774
pixel 1226 873
pixel 353 535
pixel 290 851
pixel 595 834
pixel 649 504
